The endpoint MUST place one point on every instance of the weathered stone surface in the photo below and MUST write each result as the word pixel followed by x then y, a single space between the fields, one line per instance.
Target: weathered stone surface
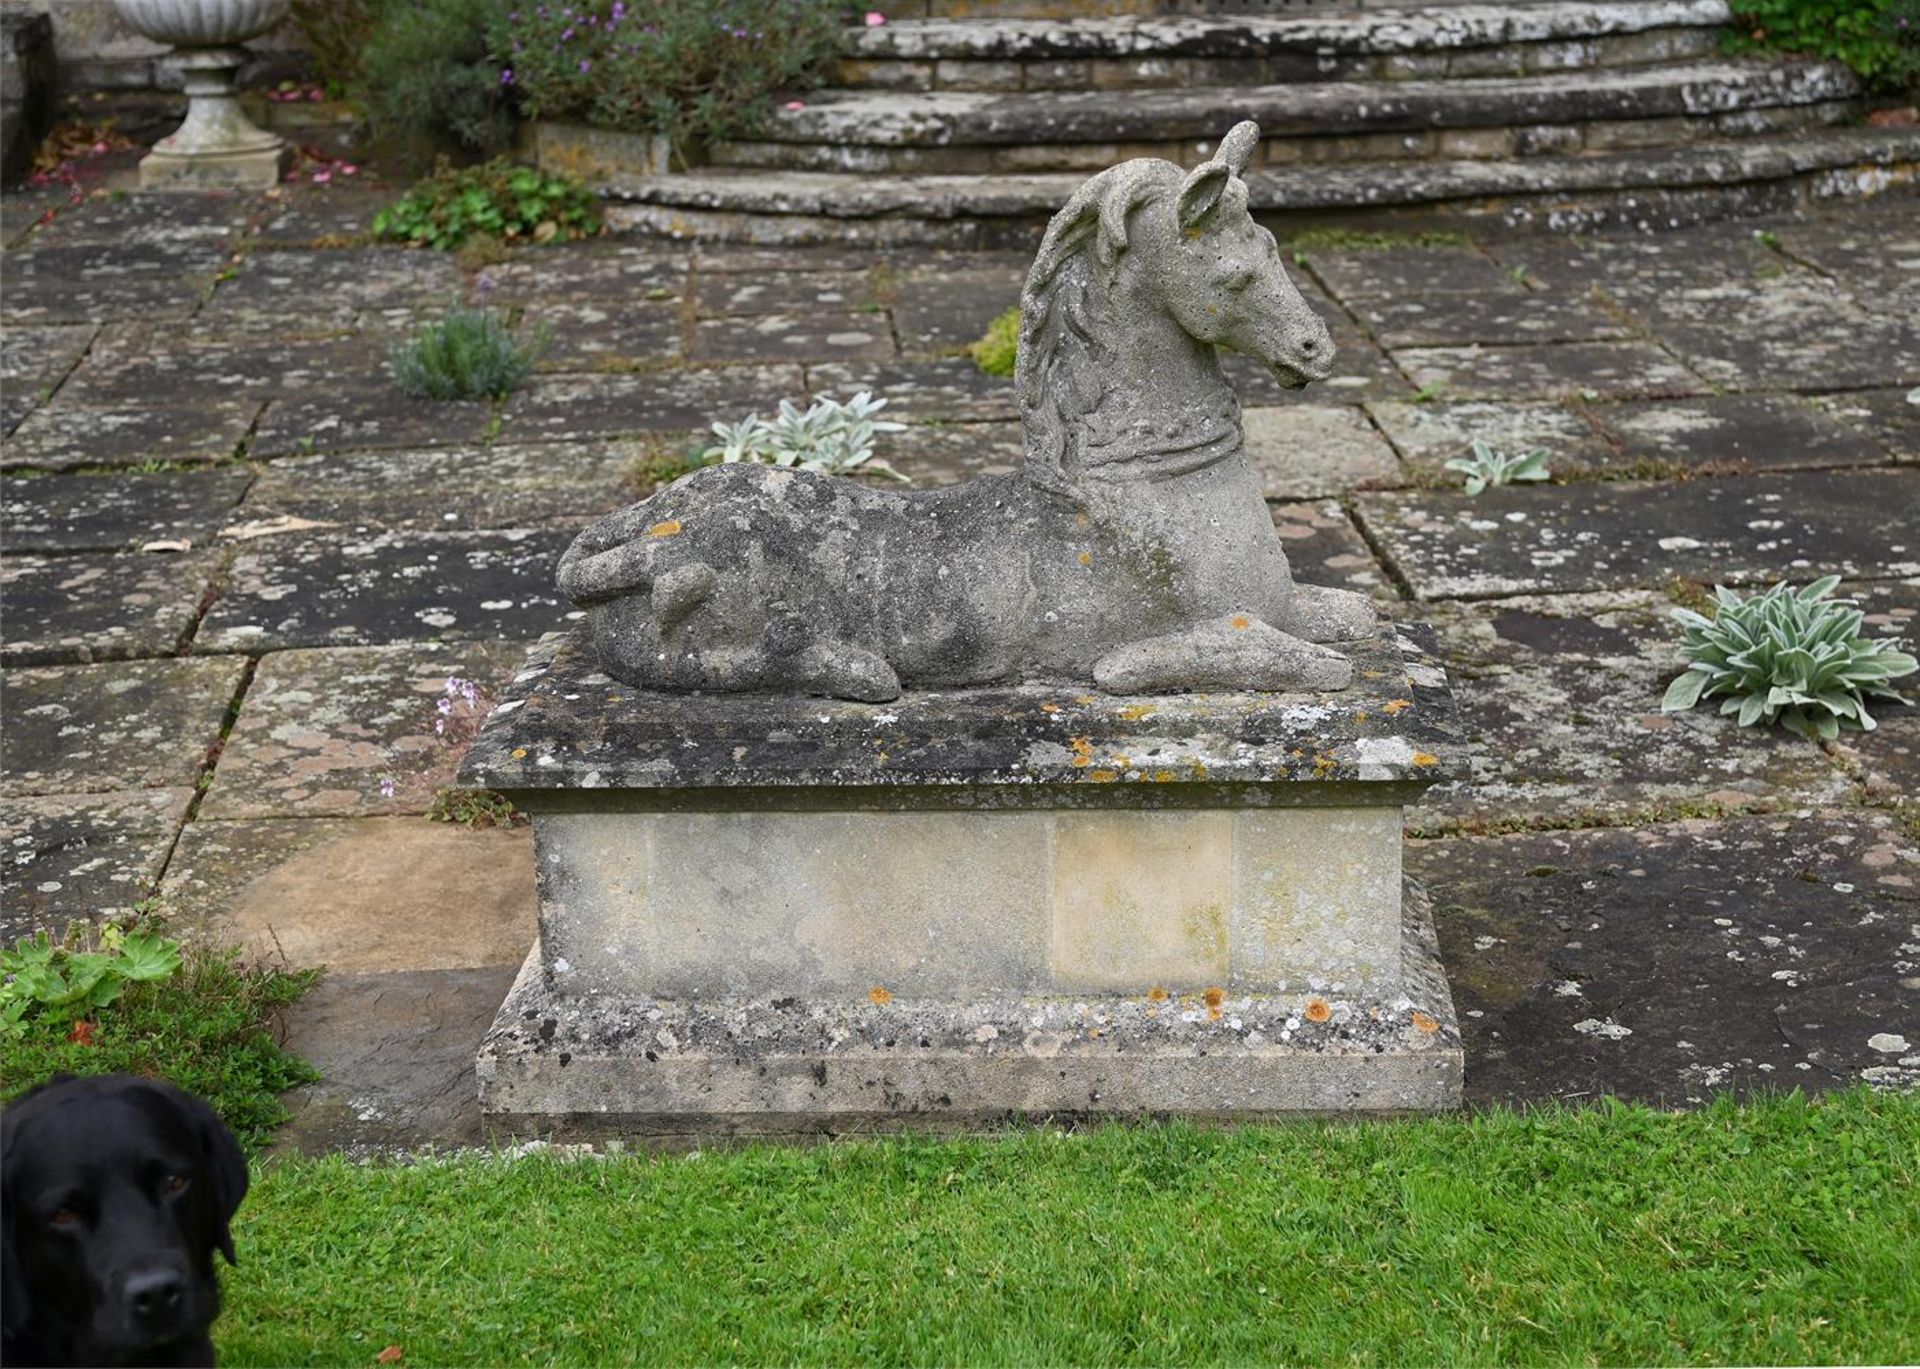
pixel 298 591
pixel 573 408
pixel 596 274
pixel 565 726
pixel 1458 318
pixel 1609 369
pixel 134 363
pixel 121 513
pixel 1307 450
pixel 1875 256
pixel 1430 435
pixel 93 282
pixel 876 1059
pixel 322 729
pixel 206 218
pixel 101 608
pixel 939 311
pixel 443 489
pixel 1370 279
pixel 951 389
pixel 63 436
pixel 316 216
pixel 932 454
pixel 122 725
pixel 375 413
pixel 606 336
pixel 1675 962
pixel 334 286
pixel 1890 417
pixel 357 894
pixel 1727 434
pixel 80 857
pixel 813 336
pixel 802 293
pixel 1887 760
pixel 1559 699
pixel 1642 266
pixel 1360 369
pixel 1557 540
pixel 1325 548
pixel 33 361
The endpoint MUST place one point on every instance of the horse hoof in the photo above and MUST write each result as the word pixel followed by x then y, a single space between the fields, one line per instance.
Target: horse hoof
pixel 840 671
pixel 1321 614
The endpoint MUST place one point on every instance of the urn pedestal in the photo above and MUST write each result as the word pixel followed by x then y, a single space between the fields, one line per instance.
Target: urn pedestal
pixel 772 913
pixel 217 147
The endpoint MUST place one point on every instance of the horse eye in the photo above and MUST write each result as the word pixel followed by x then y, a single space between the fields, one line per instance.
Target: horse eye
pixel 177 1183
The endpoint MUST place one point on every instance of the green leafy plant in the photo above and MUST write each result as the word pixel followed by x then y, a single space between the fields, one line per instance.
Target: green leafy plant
pixel 500 199
pixel 1879 39
pixel 1490 467
pixel 428 79
pixel 473 808
pixel 47 977
pixel 337 33
pixel 469 354
pixel 696 70
pixel 997 351
pixel 1795 657
pixel 828 436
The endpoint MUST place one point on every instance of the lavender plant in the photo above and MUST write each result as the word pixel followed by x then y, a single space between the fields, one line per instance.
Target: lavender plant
pixel 1793 657
pixel 828 436
pixel 469 354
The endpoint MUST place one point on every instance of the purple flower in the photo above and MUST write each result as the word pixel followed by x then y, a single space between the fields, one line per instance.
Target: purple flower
pixel 506 76
pixel 386 786
pixel 585 64
pixel 566 33
pixel 619 11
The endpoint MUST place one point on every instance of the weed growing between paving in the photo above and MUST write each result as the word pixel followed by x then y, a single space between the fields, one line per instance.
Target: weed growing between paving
pixel 997 351
pixel 1780 1231
pixel 497 201
pixel 210 1025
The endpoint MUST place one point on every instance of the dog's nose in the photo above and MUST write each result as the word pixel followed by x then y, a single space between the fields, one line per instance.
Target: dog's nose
pixel 155 1294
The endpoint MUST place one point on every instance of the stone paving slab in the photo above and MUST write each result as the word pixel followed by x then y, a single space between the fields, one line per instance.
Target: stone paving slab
pixel 1889 417
pixel 1308 450
pixel 299 591
pixel 66 436
pixel 1728 434
pixel 320 729
pixel 1325 548
pixel 1670 963
pixel 809 337
pixel 796 294
pixel 452 488
pixel 605 336
pixel 1390 273
pixel 101 608
pixel 82 857
pixel 1643 266
pixel 121 513
pixel 950 388
pixel 372 412
pixel 1429 435
pixel 1562 539
pixel 320 218
pixel 120 725
pixel 32 362
pixel 335 285
pixel 1888 758
pixel 591 272
pixel 1876 259
pixel 357 894
pixel 23 209
pixel 134 363
pixel 93 282
pixel 948 453
pixel 723 258
pixel 951 309
pixel 1560 698
pixel 209 218
pixel 574 408
pixel 1591 369
pixel 1457 318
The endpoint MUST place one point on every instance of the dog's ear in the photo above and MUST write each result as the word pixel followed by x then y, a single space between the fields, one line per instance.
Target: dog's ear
pixel 16 1299
pixel 223 1165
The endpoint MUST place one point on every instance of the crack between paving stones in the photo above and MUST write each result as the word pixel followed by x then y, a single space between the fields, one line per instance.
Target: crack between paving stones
pixel 203 782
pixel 1401 581
pixel 216 587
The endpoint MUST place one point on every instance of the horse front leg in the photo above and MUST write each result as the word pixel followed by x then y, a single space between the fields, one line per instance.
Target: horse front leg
pixel 1234 651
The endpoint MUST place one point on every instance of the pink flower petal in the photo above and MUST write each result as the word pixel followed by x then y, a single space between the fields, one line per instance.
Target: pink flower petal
pixel 794 104
pixel 875 19
pixel 322 177
pixel 349 169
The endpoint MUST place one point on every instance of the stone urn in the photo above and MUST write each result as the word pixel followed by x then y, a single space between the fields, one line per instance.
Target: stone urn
pixel 217 146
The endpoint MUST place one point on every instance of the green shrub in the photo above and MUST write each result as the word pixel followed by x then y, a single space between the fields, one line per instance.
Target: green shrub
pixel 469 354
pixel 208 1022
pixel 696 70
pixel 997 351
pixel 337 33
pixel 497 199
pixel 427 79
pixel 1795 657
pixel 1879 39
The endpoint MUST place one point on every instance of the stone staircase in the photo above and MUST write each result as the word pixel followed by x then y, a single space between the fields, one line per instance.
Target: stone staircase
pixel 970 125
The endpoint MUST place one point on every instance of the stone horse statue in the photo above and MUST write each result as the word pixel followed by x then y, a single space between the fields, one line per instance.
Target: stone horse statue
pixel 1133 548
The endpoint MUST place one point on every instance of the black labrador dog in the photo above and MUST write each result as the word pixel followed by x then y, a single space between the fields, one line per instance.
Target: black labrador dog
pixel 114 1194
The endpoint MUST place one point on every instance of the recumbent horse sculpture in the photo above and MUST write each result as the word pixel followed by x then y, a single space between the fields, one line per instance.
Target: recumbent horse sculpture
pixel 1133 548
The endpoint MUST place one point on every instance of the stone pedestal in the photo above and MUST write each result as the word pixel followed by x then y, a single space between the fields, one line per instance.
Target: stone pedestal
pixel 767 913
pixel 217 147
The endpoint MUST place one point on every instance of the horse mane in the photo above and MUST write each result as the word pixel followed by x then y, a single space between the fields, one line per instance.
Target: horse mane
pixel 1062 371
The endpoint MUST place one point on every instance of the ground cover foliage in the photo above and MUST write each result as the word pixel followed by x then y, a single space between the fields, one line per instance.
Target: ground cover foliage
pixel 1781 1230
pixel 1879 39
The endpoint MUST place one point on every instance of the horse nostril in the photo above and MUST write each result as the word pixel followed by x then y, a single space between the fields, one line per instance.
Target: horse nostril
pixel 1309 347
pixel 155 1294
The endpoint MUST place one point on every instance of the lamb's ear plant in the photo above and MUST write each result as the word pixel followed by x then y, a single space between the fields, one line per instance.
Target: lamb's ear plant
pixel 828 436
pixel 1489 467
pixel 1793 657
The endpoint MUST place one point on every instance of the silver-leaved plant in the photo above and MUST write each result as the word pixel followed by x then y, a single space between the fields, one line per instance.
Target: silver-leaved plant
pixel 1489 467
pixel 831 437
pixel 1795 657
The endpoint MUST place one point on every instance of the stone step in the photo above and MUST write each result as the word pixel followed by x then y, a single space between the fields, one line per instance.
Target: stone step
pixel 975 133
pixel 1636 190
pixel 1137 51
pixel 1089 9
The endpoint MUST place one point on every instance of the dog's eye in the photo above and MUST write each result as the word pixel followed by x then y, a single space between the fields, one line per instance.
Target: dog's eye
pixel 177 1183
pixel 64 1216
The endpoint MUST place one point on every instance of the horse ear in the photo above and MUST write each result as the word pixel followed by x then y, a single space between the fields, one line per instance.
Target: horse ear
pixel 1206 183
pixel 1236 149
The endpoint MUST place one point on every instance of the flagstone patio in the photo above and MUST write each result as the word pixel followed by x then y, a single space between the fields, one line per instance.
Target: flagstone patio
pixel 240 567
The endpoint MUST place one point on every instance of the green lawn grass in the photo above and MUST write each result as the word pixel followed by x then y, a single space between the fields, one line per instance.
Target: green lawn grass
pixel 1780 1231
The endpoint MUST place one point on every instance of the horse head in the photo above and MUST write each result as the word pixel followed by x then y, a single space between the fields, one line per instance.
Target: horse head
pixel 1220 276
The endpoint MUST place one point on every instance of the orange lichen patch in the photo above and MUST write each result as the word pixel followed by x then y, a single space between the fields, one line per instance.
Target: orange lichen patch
pixel 1422 1022
pixel 519 753
pixel 1086 699
pixel 879 996
pixel 1241 621
pixel 1396 705
pixel 1325 765
pixel 1093 1033
pixel 1360 717
pixel 1082 748
pixel 1086 558
pixel 1164 777
pixel 1425 758
pixel 670 528
pixel 1214 997
pixel 1049 708
pixel 1373 674
pixel 1133 713
pixel 1105 776
pixel 1156 994
pixel 1214 1014
pixel 1318 1010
